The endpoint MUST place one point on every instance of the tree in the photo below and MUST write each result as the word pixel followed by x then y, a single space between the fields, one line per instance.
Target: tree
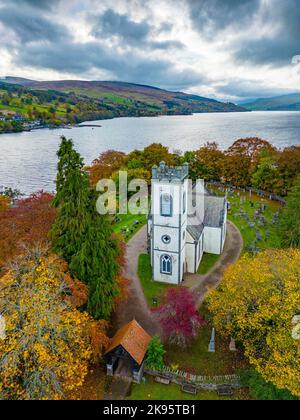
pixel 82 236
pixel 96 263
pixel 209 162
pixel 155 354
pixel 4 202
pixel 107 163
pixel 266 175
pixel 260 389
pixel 290 219
pixel 256 304
pixel 71 201
pixel 154 154
pixel 178 316
pixel 27 223
pixel 49 343
pixel 242 158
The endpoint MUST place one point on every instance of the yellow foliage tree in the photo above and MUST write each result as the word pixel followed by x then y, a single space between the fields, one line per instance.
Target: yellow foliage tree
pixel 4 202
pixel 256 305
pixel 48 343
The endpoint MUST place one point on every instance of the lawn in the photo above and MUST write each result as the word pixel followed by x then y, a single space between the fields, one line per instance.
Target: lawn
pixel 154 391
pixel 128 225
pixel 197 359
pixel 151 288
pixel 207 263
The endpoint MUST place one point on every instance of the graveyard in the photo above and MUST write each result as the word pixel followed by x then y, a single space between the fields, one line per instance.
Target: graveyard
pixel 256 216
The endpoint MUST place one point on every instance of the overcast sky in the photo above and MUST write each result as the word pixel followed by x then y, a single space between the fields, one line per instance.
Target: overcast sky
pixel 227 49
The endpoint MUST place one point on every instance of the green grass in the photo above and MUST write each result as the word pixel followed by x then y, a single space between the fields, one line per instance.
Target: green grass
pixel 127 221
pixel 154 391
pixel 243 202
pixel 207 263
pixel 151 288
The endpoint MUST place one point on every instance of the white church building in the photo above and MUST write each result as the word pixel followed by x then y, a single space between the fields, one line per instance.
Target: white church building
pixel 182 226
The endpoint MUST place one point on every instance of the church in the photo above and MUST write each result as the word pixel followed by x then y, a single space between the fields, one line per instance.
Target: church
pixel 182 225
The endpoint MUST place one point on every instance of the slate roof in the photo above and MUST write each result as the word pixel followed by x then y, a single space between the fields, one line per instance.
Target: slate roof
pixel 134 339
pixel 214 210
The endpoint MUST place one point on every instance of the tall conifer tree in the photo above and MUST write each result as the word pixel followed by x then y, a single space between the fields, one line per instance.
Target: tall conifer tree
pixel 72 195
pixel 82 236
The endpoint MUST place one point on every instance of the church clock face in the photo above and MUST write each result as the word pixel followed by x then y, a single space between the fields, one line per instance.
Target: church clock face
pixel 166 239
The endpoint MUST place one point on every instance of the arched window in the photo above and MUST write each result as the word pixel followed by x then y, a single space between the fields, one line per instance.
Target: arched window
pixel 166 205
pixel 165 264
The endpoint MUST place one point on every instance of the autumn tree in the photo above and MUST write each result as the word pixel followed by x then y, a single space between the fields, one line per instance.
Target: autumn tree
pixel 27 223
pixel 266 175
pixel 290 219
pixel 256 304
pixel 288 164
pixel 209 162
pixel 4 202
pixel 49 344
pixel 242 158
pixel 107 163
pixel 178 316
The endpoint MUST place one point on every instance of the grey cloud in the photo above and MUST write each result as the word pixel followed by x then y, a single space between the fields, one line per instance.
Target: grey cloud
pixel 276 49
pixel 111 23
pixel 31 25
pixel 129 32
pixel 82 58
pixel 212 16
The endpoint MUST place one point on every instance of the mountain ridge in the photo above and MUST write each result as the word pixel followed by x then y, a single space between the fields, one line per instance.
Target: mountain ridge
pixel 171 102
pixel 289 102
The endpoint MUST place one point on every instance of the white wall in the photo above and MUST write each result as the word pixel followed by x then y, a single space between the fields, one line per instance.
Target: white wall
pixel 165 278
pixel 212 240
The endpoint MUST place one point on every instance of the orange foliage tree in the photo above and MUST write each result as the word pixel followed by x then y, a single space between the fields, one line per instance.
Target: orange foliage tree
pixel 49 344
pixel 25 224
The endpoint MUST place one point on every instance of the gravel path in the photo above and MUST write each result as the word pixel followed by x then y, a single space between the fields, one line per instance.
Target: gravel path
pixel 136 306
pixel 232 251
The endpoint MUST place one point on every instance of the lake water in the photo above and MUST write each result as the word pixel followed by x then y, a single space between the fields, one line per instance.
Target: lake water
pixel 28 160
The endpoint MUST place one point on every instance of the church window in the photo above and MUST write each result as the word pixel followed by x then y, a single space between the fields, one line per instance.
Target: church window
pixel 166 239
pixel 184 202
pixel 166 264
pixel 166 205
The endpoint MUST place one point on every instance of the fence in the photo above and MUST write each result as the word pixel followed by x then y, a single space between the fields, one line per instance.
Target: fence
pixel 260 193
pixel 210 383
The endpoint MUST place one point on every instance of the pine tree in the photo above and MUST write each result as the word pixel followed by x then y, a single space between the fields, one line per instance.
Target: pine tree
pixel 72 195
pixel 96 263
pixel 82 236
pixel 290 219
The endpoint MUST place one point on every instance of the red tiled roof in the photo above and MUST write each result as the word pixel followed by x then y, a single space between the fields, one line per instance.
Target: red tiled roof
pixel 134 339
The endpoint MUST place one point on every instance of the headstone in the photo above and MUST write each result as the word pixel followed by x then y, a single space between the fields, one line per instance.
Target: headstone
pixel 232 345
pixel 212 345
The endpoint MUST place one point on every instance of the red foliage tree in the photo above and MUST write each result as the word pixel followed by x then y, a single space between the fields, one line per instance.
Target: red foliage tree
pixel 178 316
pixel 26 224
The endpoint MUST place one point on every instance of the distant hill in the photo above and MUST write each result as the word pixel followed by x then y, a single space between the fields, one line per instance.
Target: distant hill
pixel 289 102
pixel 136 99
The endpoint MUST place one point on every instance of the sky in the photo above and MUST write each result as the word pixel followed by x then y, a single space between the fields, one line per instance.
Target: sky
pixel 233 50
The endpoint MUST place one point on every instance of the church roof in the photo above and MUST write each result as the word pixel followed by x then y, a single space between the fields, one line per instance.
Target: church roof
pixel 214 211
pixel 134 339
pixel 195 230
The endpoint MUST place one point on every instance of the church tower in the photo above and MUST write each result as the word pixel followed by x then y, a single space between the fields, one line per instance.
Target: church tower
pixel 168 222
